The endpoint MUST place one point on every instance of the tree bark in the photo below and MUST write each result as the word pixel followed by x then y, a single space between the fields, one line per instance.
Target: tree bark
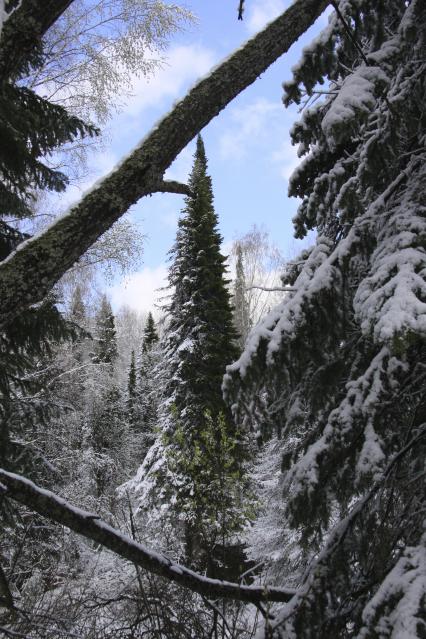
pixel 24 30
pixel 92 527
pixel 29 273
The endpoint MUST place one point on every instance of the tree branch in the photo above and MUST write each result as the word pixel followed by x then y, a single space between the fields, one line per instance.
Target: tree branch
pixel 92 527
pixel 284 289
pixel 24 30
pixel 29 273
pixel 170 186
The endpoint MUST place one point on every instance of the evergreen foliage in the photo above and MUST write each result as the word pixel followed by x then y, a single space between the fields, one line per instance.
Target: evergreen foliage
pixel 337 369
pixel 200 339
pixel 132 390
pixel 150 335
pixel 106 340
pixel 241 309
pixel 31 128
pixel 210 493
pixel 148 383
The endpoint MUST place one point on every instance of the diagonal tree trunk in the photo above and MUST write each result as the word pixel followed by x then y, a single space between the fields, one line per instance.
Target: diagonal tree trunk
pixel 29 273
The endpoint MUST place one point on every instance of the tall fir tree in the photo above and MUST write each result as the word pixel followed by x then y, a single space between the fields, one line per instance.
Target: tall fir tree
pixel 337 367
pixel 241 307
pixel 106 339
pixel 150 335
pixel 200 340
pixel 132 391
pixel 147 383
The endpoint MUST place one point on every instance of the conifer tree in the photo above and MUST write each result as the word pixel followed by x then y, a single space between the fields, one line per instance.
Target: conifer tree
pixel 241 310
pixel 201 337
pixel 335 369
pixel 106 341
pixel 148 383
pixel 132 390
pixel 78 307
pixel 200 340
pixel 150 335
pixel 31 128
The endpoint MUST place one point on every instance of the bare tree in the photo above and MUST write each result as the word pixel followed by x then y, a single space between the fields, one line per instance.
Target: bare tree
pixel 263 264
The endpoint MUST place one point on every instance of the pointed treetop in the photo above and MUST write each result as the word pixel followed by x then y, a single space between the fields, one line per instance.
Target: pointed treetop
pixel 199 169
pixel 106 333
pixel 150 335
pixel 131 384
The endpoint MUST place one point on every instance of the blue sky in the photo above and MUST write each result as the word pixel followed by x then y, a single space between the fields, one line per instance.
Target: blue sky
pixel 248 145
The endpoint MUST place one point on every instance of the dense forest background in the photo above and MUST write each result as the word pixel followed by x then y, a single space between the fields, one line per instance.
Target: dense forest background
pixel 248 458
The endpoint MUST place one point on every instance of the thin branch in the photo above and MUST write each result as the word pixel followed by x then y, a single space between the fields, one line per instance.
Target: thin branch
pixel 30 272
pixel 284 289
pixel 92 527
pixel 349 31
pixel 241 10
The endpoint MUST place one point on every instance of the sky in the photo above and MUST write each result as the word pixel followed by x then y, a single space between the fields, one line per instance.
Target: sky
pixel 248 145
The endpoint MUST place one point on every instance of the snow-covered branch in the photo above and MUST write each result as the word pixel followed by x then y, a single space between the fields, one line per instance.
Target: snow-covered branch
pixel 29 273
pixel 92 527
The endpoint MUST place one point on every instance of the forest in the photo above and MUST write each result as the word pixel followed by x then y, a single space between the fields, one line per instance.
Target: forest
pixel 247 459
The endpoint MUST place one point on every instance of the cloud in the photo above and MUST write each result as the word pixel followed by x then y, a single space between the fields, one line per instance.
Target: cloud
pixel 286 157
pixel 183 65
pixel 263 11
pixel 248 123
pixel 140 291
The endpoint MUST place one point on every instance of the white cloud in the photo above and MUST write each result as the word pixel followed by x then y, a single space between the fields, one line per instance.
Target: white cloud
pixel 183 65
pixel 140 291
pixel 286 157
pixel 248 123
pixel 263 11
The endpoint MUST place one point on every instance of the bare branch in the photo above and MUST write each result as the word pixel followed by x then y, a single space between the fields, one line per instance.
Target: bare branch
pixel 241 10
pixel 29 273
pixel 92 527
pixel 284 289
pixel 170 186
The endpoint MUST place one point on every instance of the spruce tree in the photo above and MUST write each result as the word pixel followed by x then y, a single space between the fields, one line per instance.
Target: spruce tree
pixel 106 340
pixel 241 310
pixel 132 391
pixel 335 369
pixel 201 337
pixel 148 384
pixel 150 335
pixel 185 461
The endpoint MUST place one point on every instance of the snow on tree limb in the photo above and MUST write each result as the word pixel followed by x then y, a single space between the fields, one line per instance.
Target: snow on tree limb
pixel 29 273
pixel 92 527
pixel 25 29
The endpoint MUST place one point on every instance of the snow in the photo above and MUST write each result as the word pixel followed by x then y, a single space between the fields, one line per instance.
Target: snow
pixel 397 609
pixel 4 15
pixel 391 301
pixel 355 100
pixel 284 320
